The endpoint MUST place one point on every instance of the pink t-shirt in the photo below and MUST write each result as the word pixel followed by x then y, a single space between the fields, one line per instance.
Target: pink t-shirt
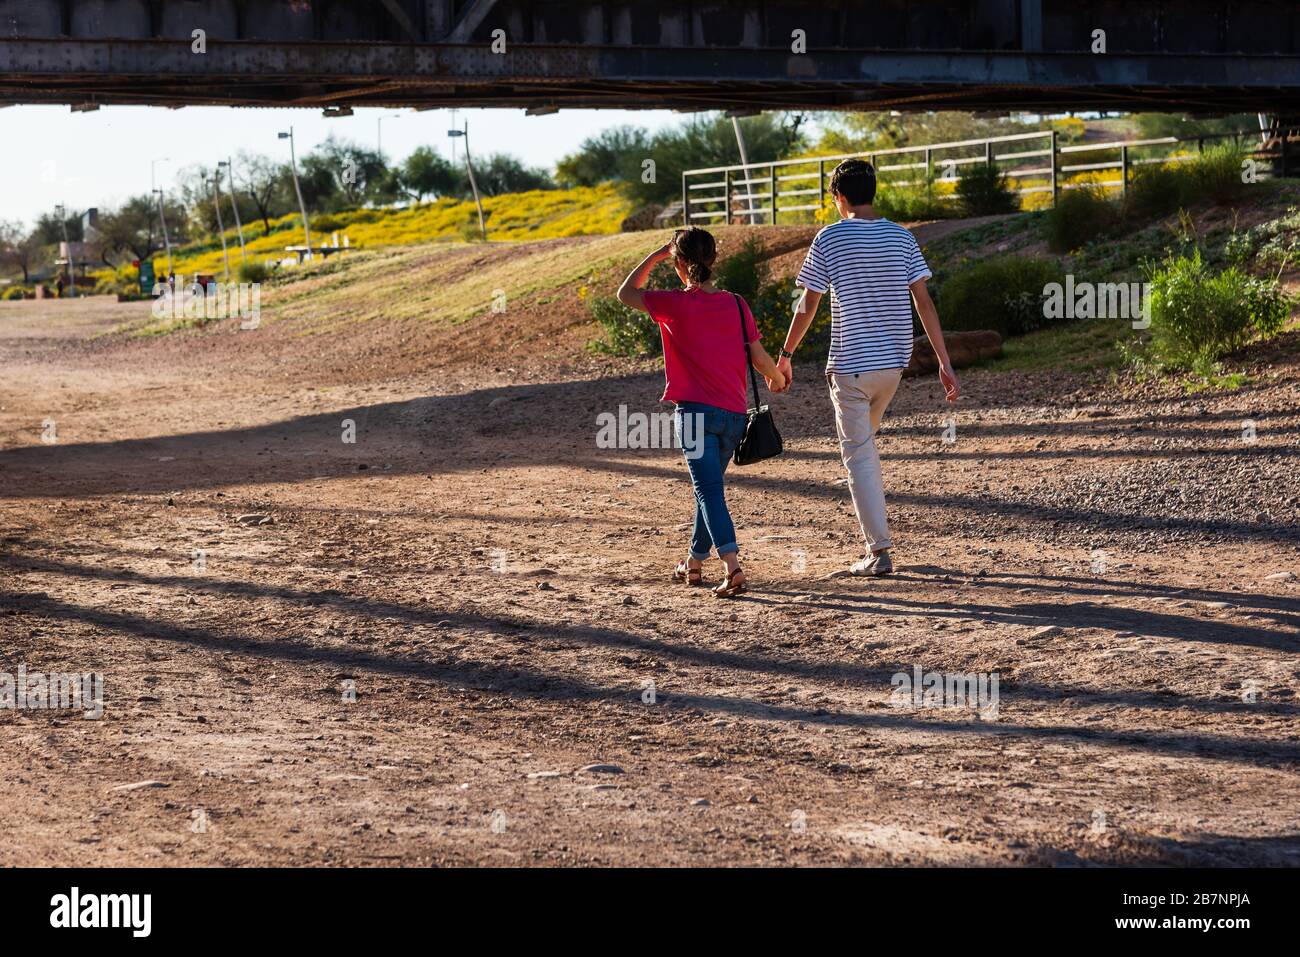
pixel 704 358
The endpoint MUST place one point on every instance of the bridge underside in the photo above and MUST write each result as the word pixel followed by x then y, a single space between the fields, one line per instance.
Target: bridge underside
pixel 1194 55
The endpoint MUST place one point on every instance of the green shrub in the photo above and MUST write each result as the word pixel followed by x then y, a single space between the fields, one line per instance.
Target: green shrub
pixel 1216 175
pixel 1003 293
pixel 1156 190
pixel 13 292
pixel 744 272
pixel 1238 249
pixel 773 307
pixel 1079 217
pixel 627 331
pixel 1272 245
pixel 983 191
pixel 905 204
pixel 253 270
pixel 1198 316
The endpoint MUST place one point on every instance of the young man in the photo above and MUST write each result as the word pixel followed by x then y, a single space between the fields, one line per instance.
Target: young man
pixel 874 271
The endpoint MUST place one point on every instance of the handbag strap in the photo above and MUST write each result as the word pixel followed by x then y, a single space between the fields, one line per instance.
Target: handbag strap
pixel 753 379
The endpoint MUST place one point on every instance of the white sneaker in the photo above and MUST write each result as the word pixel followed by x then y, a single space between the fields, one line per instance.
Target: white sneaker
pixel 873 566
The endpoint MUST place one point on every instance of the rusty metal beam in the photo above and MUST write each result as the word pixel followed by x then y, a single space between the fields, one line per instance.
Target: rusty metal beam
pixel 572 75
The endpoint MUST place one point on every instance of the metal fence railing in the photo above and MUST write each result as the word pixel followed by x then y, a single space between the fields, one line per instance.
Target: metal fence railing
pixel 1034 163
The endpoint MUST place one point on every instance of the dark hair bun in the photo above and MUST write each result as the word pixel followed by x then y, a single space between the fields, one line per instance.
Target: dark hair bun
pixel 697 250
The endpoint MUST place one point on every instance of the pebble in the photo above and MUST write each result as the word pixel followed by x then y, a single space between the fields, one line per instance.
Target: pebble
pixel 601 769
pixel 1279 577
pixel 1047 631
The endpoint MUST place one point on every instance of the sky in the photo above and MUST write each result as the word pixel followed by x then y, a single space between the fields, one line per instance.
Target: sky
pixel 53 156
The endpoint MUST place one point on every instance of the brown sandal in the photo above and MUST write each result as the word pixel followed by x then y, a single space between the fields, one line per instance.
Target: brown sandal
pixel 727 589
pixel 691 576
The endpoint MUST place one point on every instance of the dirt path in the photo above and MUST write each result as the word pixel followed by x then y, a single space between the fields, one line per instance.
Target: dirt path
pixel 493 588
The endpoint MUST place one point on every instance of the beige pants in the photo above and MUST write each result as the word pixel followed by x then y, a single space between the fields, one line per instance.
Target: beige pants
pixel 860 402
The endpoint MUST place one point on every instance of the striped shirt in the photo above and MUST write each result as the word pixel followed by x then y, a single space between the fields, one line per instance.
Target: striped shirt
pixel 868 265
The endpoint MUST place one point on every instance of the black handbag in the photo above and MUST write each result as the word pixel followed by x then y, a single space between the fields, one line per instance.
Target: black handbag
pixel 762 440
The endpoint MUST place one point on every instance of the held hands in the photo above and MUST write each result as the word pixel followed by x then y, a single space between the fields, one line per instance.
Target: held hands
pixel 787 375
pixel 777 383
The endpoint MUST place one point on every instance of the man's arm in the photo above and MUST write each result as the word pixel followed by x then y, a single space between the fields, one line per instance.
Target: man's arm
pixel 630 293
pixel 799 323
pixel 930 322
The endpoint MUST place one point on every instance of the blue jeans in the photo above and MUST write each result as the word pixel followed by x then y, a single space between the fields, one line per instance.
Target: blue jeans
pixel 707 442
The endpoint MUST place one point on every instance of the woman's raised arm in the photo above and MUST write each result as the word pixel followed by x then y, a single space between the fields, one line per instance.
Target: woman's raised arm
pixel 630 293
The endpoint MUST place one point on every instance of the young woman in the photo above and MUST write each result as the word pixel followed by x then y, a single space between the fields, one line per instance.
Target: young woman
pixel 707 351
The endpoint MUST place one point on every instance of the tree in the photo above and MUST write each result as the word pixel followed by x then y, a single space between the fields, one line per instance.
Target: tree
pixel 319 189
pixel 1156 125
pixel 426 173
pixel 133 228
pixel 711 141
pixel 859 132
pixel 343 175
pixel 20 248
pixel 50 228
pixel 194 183
pixel 613 154
pixel 267 184
pixel 502 173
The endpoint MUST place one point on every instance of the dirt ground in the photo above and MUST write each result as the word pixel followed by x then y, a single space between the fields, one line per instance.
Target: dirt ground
pixel 529 686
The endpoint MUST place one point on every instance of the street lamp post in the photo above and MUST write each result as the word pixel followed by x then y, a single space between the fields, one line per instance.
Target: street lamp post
pixel 162 216
pixel 482 227
pixel 221 227
pixel 72 266
pixel 293 164
pixel 166 239
pixel 736 116
pixel 230 171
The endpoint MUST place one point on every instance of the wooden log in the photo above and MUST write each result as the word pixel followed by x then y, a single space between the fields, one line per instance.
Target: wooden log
pixel 964 349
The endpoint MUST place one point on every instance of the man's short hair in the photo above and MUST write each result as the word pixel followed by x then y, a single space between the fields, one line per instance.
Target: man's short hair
pixel 855 180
